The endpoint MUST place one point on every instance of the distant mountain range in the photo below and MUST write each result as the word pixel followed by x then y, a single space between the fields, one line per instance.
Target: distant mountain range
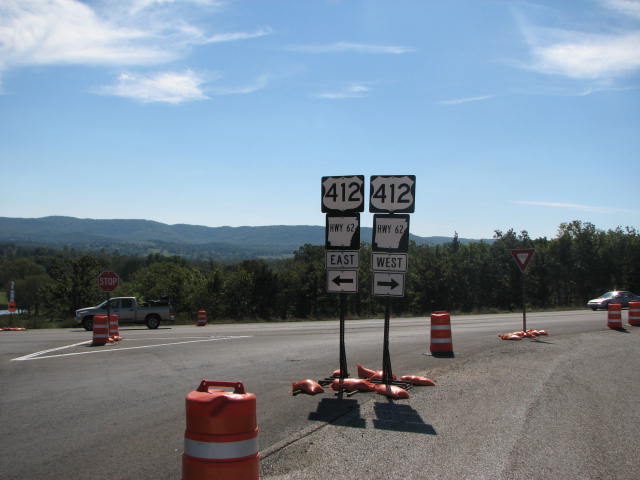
pixel 136 237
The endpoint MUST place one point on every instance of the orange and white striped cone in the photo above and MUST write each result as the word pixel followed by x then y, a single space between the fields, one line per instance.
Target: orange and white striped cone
pixel 441 343
pixel 100 330
pixel 202 318
pixel 221 438
pixel 614 315
pixel 114 327
pixel 634 314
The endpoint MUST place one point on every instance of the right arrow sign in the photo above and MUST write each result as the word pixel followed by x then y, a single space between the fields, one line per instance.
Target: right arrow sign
pixel 522 257
pixel 388 284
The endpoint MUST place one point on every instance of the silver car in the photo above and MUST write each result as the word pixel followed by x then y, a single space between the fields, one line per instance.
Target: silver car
pixel 616 296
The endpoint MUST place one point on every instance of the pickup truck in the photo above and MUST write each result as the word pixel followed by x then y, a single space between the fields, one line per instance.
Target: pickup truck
pixel 128 309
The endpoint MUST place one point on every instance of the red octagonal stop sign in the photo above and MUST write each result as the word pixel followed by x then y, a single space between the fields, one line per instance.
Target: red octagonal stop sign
pixel 108 281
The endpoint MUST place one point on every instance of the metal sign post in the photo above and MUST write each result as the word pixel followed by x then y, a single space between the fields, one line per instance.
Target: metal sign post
pixel 387 374
pixel 11 306
pixel 522 257
pixel 108 282
pixel 391 197
pixel 342 201
pixel 524 304
pixel 343 352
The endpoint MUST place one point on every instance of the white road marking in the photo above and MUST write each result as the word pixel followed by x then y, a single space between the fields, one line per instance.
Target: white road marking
pixel 28 357
pixel 41 355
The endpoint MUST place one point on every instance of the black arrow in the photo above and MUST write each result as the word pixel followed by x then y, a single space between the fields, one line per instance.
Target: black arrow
pixel 338 280
pixel 393 284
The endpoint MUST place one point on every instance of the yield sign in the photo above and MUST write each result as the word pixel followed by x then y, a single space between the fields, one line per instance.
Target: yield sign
pixel 522 257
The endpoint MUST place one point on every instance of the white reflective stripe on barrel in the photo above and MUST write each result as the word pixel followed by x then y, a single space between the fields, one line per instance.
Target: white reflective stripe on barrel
pixel 440 340
pixel 440 327
pixel 100 335
pixel 221 450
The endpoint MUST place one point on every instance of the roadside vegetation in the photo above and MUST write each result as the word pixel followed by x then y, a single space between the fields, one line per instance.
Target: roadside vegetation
pixel 580 263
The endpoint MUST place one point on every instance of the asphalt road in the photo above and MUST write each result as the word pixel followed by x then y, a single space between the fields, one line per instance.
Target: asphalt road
pixel 71 411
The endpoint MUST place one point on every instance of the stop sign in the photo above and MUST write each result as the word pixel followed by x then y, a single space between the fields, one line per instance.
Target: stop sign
pixel 108 281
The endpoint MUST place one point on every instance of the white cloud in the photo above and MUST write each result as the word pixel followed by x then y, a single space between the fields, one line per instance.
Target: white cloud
pixel 349 47
pixel 164 87
pixel 589 56
pixel 234 36
pixel 350 91
pixel 601 56
pixel 573 206
pixel 260 83
pixel 458 101
pixel 627 7
pixel 139 5
pixel 125 33
pixel 593 90
pixel 51 32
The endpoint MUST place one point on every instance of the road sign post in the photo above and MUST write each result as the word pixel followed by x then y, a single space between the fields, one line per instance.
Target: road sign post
pixel 390 198
pixel 342 199
pixel 522 257
pixel 108 282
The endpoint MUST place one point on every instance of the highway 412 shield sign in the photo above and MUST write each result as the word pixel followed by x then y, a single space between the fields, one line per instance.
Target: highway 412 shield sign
pixel 392 194
pixel 343 194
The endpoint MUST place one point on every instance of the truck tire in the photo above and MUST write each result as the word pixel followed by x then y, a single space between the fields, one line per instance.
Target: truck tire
pixel 152 321
pixel 87 323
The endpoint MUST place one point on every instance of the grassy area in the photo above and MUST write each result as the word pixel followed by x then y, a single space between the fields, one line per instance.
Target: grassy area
pixel 4 298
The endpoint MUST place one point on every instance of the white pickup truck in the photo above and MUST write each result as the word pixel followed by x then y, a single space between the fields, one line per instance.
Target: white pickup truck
pixel 128 309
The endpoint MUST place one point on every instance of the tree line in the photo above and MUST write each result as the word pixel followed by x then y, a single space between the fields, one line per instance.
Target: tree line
pixel 580 263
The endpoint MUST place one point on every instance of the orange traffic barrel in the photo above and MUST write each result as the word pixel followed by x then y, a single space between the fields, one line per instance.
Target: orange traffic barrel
pixel 100 329
pixel 614 315
pixel 113 327
pixel 221 438
pixel 202 318
pixel 634 313
pixel 441 334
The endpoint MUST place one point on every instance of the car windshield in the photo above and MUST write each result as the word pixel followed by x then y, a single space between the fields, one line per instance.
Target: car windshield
pixel 608 295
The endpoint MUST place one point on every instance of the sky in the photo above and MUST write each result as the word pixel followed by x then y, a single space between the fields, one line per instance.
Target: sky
pixel 511 114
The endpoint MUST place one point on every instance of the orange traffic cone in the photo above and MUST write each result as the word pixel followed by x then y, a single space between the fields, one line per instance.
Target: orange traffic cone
pixel 441 334
pixel 100 330
pixel 221 438
pixel 614 315
pixel 634 314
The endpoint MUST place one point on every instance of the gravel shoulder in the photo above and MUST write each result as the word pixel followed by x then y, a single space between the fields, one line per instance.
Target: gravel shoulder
pixel 563 406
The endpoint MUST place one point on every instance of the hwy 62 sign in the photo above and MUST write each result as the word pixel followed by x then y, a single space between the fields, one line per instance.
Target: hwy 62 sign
pixel 392 194
pixel 343 194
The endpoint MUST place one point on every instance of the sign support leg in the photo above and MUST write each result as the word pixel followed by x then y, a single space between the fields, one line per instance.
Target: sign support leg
pixel 343 354
pixel 108 308
pixel 344 373
pixel 387 374
pixel 524 305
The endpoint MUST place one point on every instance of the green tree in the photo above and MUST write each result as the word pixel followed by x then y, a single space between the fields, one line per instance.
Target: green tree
pixel 180 283
pixel 74 284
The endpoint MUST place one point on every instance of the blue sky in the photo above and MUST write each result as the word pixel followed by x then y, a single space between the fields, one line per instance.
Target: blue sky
pixel 511 114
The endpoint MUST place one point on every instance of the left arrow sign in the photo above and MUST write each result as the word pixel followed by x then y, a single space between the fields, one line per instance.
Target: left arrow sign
pixel 339 280
pixel 342 281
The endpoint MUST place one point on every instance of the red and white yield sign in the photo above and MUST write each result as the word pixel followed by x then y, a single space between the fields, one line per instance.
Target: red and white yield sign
pixel 522 256
pixel 108 281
